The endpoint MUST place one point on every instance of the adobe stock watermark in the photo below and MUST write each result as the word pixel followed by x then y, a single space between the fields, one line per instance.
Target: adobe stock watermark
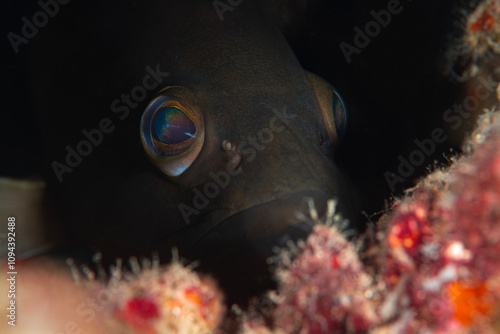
pixel 372 29
pixel 454 117
pixel 29 29
pixel 88 310
pixel 248 150
pixel 120 106
pixel 221 6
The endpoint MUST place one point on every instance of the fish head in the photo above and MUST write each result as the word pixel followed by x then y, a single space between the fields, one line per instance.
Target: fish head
pixel 185 131
pixel 257 156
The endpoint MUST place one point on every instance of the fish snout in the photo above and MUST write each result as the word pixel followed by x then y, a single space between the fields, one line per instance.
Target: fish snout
pixel 238 249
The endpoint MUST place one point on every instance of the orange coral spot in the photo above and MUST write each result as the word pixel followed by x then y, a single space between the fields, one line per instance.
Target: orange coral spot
pixel 204 302
pixel 484 23
pixel 393 279
pixel 408 233
pixel 408 242
pixel 393 241
pixel 421 213
pixel 193 295
pixel 173 306
pixel 470 300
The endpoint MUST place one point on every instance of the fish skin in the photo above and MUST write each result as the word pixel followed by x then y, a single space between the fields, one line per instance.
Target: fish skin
pixel 241 69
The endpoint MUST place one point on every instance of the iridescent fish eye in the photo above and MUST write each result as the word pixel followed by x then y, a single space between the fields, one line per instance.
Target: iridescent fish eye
pixel 172 130
pixel 172 126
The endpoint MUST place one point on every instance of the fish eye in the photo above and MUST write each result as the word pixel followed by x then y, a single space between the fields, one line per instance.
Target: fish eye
pixel 172 130
pixel 339 114
pixel 333 108
pixel 172 126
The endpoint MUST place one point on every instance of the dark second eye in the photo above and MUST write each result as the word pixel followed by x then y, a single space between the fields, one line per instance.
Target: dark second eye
pixel 333 110
pixel 172 130
pixel 339 114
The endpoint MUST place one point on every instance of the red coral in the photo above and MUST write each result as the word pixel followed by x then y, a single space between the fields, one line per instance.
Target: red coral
pixel 484 23
pixel 139 312
pixel 143 309
pixel 409 231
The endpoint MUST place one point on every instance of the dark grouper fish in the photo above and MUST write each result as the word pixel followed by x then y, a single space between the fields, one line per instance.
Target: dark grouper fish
pixel 186 124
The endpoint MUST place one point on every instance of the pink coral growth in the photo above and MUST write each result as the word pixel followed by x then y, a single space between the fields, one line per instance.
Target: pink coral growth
pixel 324 288
pixel 479 42
pixel 442 242
pixel 155 300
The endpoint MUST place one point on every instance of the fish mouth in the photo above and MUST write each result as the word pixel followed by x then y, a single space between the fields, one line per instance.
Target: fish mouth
pixel 235 251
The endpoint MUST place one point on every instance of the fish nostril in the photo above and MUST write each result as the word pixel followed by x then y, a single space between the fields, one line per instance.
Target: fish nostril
pixel 227 145
pixel 233 154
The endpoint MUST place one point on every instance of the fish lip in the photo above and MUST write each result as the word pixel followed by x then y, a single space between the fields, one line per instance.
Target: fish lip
pixel 235 250
pixel 202 242
pixel 273 217
pixel 192 234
